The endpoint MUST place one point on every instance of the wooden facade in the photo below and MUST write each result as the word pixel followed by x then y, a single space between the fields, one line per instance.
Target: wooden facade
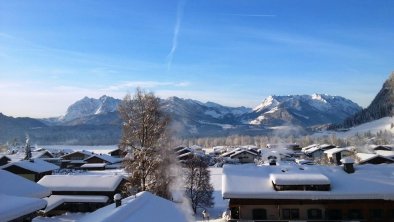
pixel 28 174
pixel 311 210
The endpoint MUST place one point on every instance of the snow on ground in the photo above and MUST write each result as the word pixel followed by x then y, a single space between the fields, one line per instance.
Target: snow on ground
pixel 373 127
pixel 220 205
pixel 67 217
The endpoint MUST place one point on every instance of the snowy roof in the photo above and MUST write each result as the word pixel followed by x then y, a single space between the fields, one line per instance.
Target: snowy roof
pixel 36 165
pixel 81 182
pixel 146 207
pixel 313 149
pixel 347 160
pixel 385 153
pixel 243 151
pixel 105 157
pixel 254 182
pixel 56 200
pixel 84 152
pixel 299 179
pixel 364 157
pixel 93 165
pixel 333 151
pixel 13 207
pixel 15 185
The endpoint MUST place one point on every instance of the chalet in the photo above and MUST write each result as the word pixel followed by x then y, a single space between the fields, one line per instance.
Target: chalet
pixel 143 207
pixel 382 147
pixel 80 193
pixel 316 151
pixel 243 155
pixel 117 153
pixel 309 193
pixel 4 160
pixel 335 155
pixel 77 155
pixel 102 158
pixel 372 158
pixel 20 198
pixel 75 159
pixel 385 153
pixel 33 169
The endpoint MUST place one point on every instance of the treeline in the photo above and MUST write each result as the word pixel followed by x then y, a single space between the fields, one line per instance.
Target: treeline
pixel 359 139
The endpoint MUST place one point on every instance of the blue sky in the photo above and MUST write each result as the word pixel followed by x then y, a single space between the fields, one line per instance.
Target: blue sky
pixel 234 52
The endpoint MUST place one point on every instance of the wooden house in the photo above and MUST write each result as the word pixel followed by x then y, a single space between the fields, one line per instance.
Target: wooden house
pixel 335 155
pixel 33 169
pixel 308 193
pixel 20 199
pixel 372 158
pixel 80 193
pixel 243 155
pixel 4 160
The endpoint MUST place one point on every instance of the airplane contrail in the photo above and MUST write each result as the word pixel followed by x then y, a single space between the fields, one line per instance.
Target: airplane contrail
pixel 170 56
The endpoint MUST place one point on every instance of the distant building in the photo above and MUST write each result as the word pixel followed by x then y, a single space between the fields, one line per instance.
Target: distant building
pixel 372 158
pixel 243 155
pixel 309 193
pixel 335 155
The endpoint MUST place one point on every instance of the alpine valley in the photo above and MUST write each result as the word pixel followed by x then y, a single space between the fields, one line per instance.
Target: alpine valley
pixel 92 121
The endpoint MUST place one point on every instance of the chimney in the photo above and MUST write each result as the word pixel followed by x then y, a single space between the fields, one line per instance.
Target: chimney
pixel 118 200
pixel 348 164
pixel 272 162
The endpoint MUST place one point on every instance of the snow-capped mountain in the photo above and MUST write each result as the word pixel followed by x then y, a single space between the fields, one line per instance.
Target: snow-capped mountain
pixel 302 110
pixel 98 120
pixel 85 108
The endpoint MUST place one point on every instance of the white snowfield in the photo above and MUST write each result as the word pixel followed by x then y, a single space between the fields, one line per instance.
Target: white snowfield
pixel 145 207
pixel 15 185
pixel 81 182
pixel 254 182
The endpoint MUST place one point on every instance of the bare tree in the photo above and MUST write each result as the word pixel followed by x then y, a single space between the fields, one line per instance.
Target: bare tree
pixel 197 185
pixel 144 138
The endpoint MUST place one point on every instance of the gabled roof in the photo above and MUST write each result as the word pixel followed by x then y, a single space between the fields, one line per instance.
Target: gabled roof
pixel 13 207
pixel 56 200
pixel 15 185
pixel 254 182
pixel 81 182
pixel 365 157
pixel 105 157
pixel 5 157
pixel 333 151
pixel 243 151
pixel 36 165
pixel 84 152
pixel 145 207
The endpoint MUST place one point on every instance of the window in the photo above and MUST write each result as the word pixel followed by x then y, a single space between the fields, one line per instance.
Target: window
pixel 315 214
pixel 259 214
pixel 355 214
pixel 376 214
pixel 290 214
pixel 334 214
pixel 234 212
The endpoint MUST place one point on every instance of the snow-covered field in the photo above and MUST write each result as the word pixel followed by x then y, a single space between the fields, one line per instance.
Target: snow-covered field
pixel 372 127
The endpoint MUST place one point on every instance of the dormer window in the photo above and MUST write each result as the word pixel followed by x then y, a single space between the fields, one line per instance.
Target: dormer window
pixel 301 182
